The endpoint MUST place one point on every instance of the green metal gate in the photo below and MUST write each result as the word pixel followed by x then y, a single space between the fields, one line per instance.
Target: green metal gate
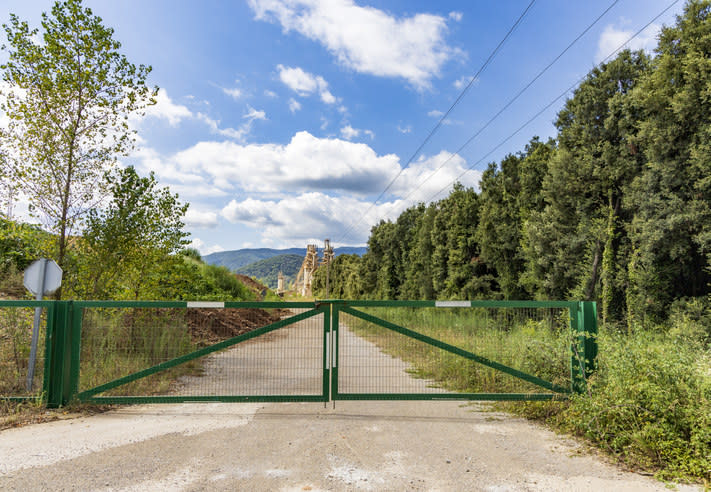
pixel 149 352
pixel 464 350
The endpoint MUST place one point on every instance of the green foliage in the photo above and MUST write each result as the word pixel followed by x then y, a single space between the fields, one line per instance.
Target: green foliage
pixel 68 106
pixel 267 270
pixel 649 404
pixel 671 232
pixel 21 244
pixel 126 242
pixel 344 279
pixel 223 285
pixel 510 193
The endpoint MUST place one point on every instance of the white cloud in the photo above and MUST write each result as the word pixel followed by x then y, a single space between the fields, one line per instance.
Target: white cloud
pixel 203 248
pixel 270 94
pixel 173 113
pixel 201 219
pixel 305 83
pixel 234 93
pixel 438 114
pixel 349 133
pixel 305 163
pixel 366 39
pixel 456 16
pixel 302 219
pixel 428 175
pixel 312 216
pixel 238 134
pixel 405 129
pixel 294 105
pixel 253 114
pixel 167 110
pixel 462 82
pixel 612 38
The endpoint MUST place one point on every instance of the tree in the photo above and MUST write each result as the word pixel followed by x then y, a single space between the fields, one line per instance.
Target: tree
pixel 671 232
pixel 126 242
pixel 68 107
pixel 586 186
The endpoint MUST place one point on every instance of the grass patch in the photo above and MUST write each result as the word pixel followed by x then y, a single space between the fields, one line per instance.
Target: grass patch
pixel 119 342
pixel 15 342
pixel 649 405
pixel 535 341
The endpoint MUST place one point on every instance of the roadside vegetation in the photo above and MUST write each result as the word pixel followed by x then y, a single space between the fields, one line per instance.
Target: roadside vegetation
pixel 116 234
pixel 615 209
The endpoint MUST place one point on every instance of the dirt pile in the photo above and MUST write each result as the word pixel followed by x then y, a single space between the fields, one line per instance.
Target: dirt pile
pixel 208 326
pixel 252 284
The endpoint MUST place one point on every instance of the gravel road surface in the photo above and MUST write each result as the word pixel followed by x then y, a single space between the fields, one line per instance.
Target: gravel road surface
pixel 438 445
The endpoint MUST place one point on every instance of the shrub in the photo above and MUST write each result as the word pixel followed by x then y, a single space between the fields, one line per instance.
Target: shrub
pixel 649 404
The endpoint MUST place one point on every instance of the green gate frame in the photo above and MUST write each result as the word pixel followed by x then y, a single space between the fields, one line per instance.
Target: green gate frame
pixel 582 323
pixel 63 346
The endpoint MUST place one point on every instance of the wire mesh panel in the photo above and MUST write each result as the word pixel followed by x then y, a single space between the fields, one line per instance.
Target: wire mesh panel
pixel 435 352
pixel 16 325
pixel 178 354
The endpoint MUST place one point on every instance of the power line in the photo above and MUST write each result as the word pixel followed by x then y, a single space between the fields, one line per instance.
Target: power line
pixel 545 108
pixel 444 117
pixel 512 100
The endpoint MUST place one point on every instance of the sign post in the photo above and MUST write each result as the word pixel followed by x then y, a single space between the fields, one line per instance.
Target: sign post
pixel 41 277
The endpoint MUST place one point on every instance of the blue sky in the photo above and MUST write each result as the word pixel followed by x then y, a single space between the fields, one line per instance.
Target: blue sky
pixel 282 121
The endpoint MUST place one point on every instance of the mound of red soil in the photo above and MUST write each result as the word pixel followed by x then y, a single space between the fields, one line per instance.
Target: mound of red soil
pixel 208 326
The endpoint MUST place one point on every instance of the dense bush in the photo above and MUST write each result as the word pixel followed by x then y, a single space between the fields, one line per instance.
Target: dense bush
pixel 649 403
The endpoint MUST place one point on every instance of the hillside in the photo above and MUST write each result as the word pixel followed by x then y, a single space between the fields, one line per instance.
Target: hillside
pixel 236 259
pixel 267 270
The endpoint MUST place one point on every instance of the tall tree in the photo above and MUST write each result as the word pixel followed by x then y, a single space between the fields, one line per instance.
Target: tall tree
pixel 68 104
pixel 127 241
pixel 510 192
pixel 586 185
pixel 671 232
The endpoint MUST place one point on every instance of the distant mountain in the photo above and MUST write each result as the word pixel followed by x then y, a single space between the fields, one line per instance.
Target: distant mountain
pixel 234 260
pixel 268 270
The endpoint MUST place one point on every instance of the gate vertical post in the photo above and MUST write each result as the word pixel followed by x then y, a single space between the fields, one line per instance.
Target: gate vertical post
pixel 327 348
pixel 58 329
pixel 335 308
pixel 75 343
pixel 590 331
pixel 583 324
pixel 49 330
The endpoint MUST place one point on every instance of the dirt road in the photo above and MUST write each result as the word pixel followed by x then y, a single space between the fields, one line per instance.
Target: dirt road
pixel 440 445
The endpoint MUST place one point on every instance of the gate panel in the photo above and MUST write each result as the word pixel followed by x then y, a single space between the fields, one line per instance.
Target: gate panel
pixel 239 352
pixel 453 350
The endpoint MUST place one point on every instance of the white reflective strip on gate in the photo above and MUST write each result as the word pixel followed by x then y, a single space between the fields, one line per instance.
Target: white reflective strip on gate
pixel 453 303
pixel 334 335
pixel 328 350
pixel 205 304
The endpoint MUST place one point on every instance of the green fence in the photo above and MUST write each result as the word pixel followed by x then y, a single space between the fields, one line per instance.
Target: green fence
pixel 135 352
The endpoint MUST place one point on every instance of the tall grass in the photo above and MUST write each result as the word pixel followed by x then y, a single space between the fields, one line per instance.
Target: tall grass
pixel 119 342
pixel 532 341
pixel 15 341
pixel 649 404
